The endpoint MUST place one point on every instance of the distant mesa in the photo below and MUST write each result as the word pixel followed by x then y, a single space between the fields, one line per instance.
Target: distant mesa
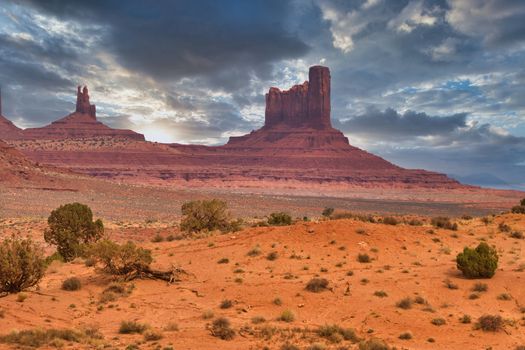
pixel 81 124
pixel 296 145
pixel 8 130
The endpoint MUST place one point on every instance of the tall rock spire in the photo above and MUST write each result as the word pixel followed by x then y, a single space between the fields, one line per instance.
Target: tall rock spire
pixel 83 105
pixel 307 104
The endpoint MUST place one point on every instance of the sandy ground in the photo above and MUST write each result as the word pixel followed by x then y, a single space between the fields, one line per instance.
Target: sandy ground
pixel 407 261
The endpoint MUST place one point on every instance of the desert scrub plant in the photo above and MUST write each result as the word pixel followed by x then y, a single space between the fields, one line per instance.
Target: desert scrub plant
pixel 221 328
pixel 71 284
pixel 279 219
pixel 405 336
pixel 152 335
pixel 465 319
pixel 336 334
pixel 272 256
pixel 255 251
pixel 327 212
pixel 450 285
pixel 504 297
pixel 70 228
pixel 157 238
pixel 516 234
pixel 438 321
pixel 390 220
pixel 480 287
pixel 405 303
pixel 373 344
pixel 122 259
pixel 380 294
pixel 363 258
pixel 132 327
pixel 36 338
pixel 258 319
pixel 480 262
pixel 206 215
pixel 287 316
pixel 490 323
pixel 22 264
pixel 316 285
pixel 519 209
pixel 444 222
pixel 226 304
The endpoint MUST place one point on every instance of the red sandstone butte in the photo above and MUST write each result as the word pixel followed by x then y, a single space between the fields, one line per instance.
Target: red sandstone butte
pixel 8 130
pixel 303 105
pixel 297 144
pixel 82 124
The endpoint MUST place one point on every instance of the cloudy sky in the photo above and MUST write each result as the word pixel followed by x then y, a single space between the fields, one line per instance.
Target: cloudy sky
pixel 434 84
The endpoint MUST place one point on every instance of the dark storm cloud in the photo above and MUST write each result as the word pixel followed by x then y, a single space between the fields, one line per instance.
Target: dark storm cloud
pixel 445 144
pixel 476 149
pixel 174 39
pixel 198 70
pixel 391 124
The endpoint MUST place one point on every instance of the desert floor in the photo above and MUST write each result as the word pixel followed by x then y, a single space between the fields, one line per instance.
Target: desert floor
pixel 417 262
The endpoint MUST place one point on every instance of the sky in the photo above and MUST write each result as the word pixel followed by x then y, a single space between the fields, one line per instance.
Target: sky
pixel 431 84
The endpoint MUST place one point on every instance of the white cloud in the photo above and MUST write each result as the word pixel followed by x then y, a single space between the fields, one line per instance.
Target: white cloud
pixel 412 16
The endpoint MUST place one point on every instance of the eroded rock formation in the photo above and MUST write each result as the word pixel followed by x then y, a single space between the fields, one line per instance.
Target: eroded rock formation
pixel 304 105
pixel 83 105
pixel 297 145
pixel 81 124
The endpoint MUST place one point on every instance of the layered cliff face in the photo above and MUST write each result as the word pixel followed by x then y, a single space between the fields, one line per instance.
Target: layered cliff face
pixel 82 124
pixel 304 105
pixel 8 130
pixel 296 145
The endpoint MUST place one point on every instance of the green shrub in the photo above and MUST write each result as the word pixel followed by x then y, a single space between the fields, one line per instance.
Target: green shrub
pixel 444 222
pixel 317 285
pixel 523 202
pixel 70 227
pixel 480 262
pixel 22 264
pixel 206 215
pixel 327 212
pixel 518 209
pixel 71 284
pixel 280 219
pixel 121 259
pixel 221 328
